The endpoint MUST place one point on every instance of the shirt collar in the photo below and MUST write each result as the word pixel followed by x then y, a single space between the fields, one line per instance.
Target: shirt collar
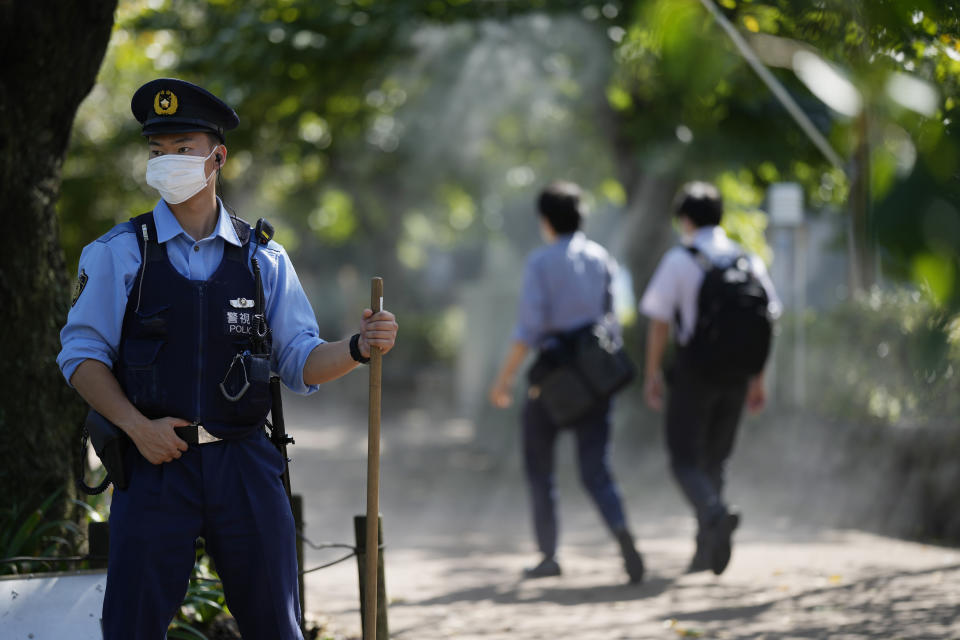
pixel 567 238
pixel 168 227
pixel 706 234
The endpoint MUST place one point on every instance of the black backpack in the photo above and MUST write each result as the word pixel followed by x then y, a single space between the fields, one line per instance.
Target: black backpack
pixel 732 334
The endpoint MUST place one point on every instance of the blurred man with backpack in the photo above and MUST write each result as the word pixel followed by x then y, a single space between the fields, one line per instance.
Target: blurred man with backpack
pixel 721 305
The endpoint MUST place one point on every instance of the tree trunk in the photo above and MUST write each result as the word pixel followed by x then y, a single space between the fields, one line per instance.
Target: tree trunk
pixel 51 53
pixel 647 232
pixel 651 186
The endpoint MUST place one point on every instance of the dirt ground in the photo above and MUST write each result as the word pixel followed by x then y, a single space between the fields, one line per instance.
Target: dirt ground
pixel 457 535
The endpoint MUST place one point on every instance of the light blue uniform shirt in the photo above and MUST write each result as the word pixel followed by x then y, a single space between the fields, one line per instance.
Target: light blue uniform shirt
pixel 111 263
pixel 566 284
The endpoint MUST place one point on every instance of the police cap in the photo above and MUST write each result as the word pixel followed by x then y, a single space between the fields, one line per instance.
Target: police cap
pixel 169 105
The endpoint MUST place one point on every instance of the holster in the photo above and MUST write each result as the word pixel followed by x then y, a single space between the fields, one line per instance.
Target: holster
pixel 111 444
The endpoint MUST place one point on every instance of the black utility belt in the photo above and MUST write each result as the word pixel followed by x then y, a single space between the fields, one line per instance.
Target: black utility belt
pixel 196 434
pixel 111 444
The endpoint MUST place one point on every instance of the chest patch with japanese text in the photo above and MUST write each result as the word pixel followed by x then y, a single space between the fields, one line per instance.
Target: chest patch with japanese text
pixel 238 322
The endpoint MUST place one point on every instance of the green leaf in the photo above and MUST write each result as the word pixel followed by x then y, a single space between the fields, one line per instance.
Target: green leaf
pixel 91 513
pixel 183 631
pixel 937 273
pixel 619 99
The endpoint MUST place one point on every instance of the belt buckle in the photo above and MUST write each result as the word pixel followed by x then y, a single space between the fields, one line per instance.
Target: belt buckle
pixel 204 436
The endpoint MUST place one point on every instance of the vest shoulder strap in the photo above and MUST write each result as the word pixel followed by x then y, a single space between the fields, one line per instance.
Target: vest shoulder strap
pixel 242 227
pixel 146 232
pixel 232 251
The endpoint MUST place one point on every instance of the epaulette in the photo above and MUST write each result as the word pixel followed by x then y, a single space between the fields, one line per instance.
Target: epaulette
pixel 123 227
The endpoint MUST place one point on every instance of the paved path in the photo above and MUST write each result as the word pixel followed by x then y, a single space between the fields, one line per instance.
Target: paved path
pixel 457 535
pixel 847 585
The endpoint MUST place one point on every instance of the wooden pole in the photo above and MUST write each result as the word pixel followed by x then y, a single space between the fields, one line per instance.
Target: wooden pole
pixel 373 474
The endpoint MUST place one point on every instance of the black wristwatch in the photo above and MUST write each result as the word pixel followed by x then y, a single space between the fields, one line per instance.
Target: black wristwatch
pixel 355 349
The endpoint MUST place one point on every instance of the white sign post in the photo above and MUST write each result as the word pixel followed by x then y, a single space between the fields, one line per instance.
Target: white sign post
pixel 789 233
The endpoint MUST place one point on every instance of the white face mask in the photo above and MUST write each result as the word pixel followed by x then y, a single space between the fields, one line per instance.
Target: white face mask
pixel 178 177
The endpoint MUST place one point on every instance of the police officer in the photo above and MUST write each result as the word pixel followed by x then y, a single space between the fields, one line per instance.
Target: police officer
pixel 702 413
pixel 158 340
pixel 566 286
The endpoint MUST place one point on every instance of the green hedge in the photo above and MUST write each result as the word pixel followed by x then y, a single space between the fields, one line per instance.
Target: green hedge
pixel 887 364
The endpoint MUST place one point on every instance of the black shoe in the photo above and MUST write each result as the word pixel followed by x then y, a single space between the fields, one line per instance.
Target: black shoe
pixel 722 534
pixel 547 567
pixel 701 559
pixel 632 560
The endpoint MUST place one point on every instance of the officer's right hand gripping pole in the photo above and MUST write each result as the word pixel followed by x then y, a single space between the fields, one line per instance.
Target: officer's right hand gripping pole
pixel 373 476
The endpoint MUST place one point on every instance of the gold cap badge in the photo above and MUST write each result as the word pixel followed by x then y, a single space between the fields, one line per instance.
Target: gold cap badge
pixel 165 103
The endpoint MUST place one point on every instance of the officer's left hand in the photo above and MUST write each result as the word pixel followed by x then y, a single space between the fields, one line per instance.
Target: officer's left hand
pixel 377 330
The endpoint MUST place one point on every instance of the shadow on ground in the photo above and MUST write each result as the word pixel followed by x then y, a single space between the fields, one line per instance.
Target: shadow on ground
pixel 457 533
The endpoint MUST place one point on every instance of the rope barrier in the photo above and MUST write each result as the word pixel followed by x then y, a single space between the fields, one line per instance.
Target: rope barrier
pixel 329 564
pixel 78 559
pixel 48 559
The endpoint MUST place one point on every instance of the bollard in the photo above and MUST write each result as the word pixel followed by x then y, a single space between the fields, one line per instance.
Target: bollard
pixel 360 530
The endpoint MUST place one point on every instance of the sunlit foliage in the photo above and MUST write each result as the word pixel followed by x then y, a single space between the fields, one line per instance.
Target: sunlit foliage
pixel 403 136
pixel 375 134
pixel 883 74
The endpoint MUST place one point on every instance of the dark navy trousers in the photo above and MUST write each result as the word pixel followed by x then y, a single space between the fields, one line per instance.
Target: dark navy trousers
pixel 593 455
pixel 701 427
pixel 230 493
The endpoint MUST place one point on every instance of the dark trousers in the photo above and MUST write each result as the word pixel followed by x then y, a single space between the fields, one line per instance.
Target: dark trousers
pixel 593 454
pixel 231 494
pixel 701 427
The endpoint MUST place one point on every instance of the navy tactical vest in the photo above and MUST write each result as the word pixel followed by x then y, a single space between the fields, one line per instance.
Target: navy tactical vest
pixel 181 338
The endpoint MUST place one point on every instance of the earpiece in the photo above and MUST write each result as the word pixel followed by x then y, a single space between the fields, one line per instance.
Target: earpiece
pixel 217 158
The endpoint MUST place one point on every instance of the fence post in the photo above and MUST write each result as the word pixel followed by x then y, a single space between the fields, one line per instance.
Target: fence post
pixel 296 505
pixel 360 531
pixel 98 536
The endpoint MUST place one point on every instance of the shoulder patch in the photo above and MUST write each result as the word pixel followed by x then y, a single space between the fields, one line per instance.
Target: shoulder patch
pixel 79 286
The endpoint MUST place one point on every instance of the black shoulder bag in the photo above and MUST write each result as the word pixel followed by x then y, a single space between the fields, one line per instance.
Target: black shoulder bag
pixel 577 370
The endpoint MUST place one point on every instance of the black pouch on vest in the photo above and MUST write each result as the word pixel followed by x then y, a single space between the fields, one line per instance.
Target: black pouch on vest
pixel 247 379
pixel 258 367
pixel 111 444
